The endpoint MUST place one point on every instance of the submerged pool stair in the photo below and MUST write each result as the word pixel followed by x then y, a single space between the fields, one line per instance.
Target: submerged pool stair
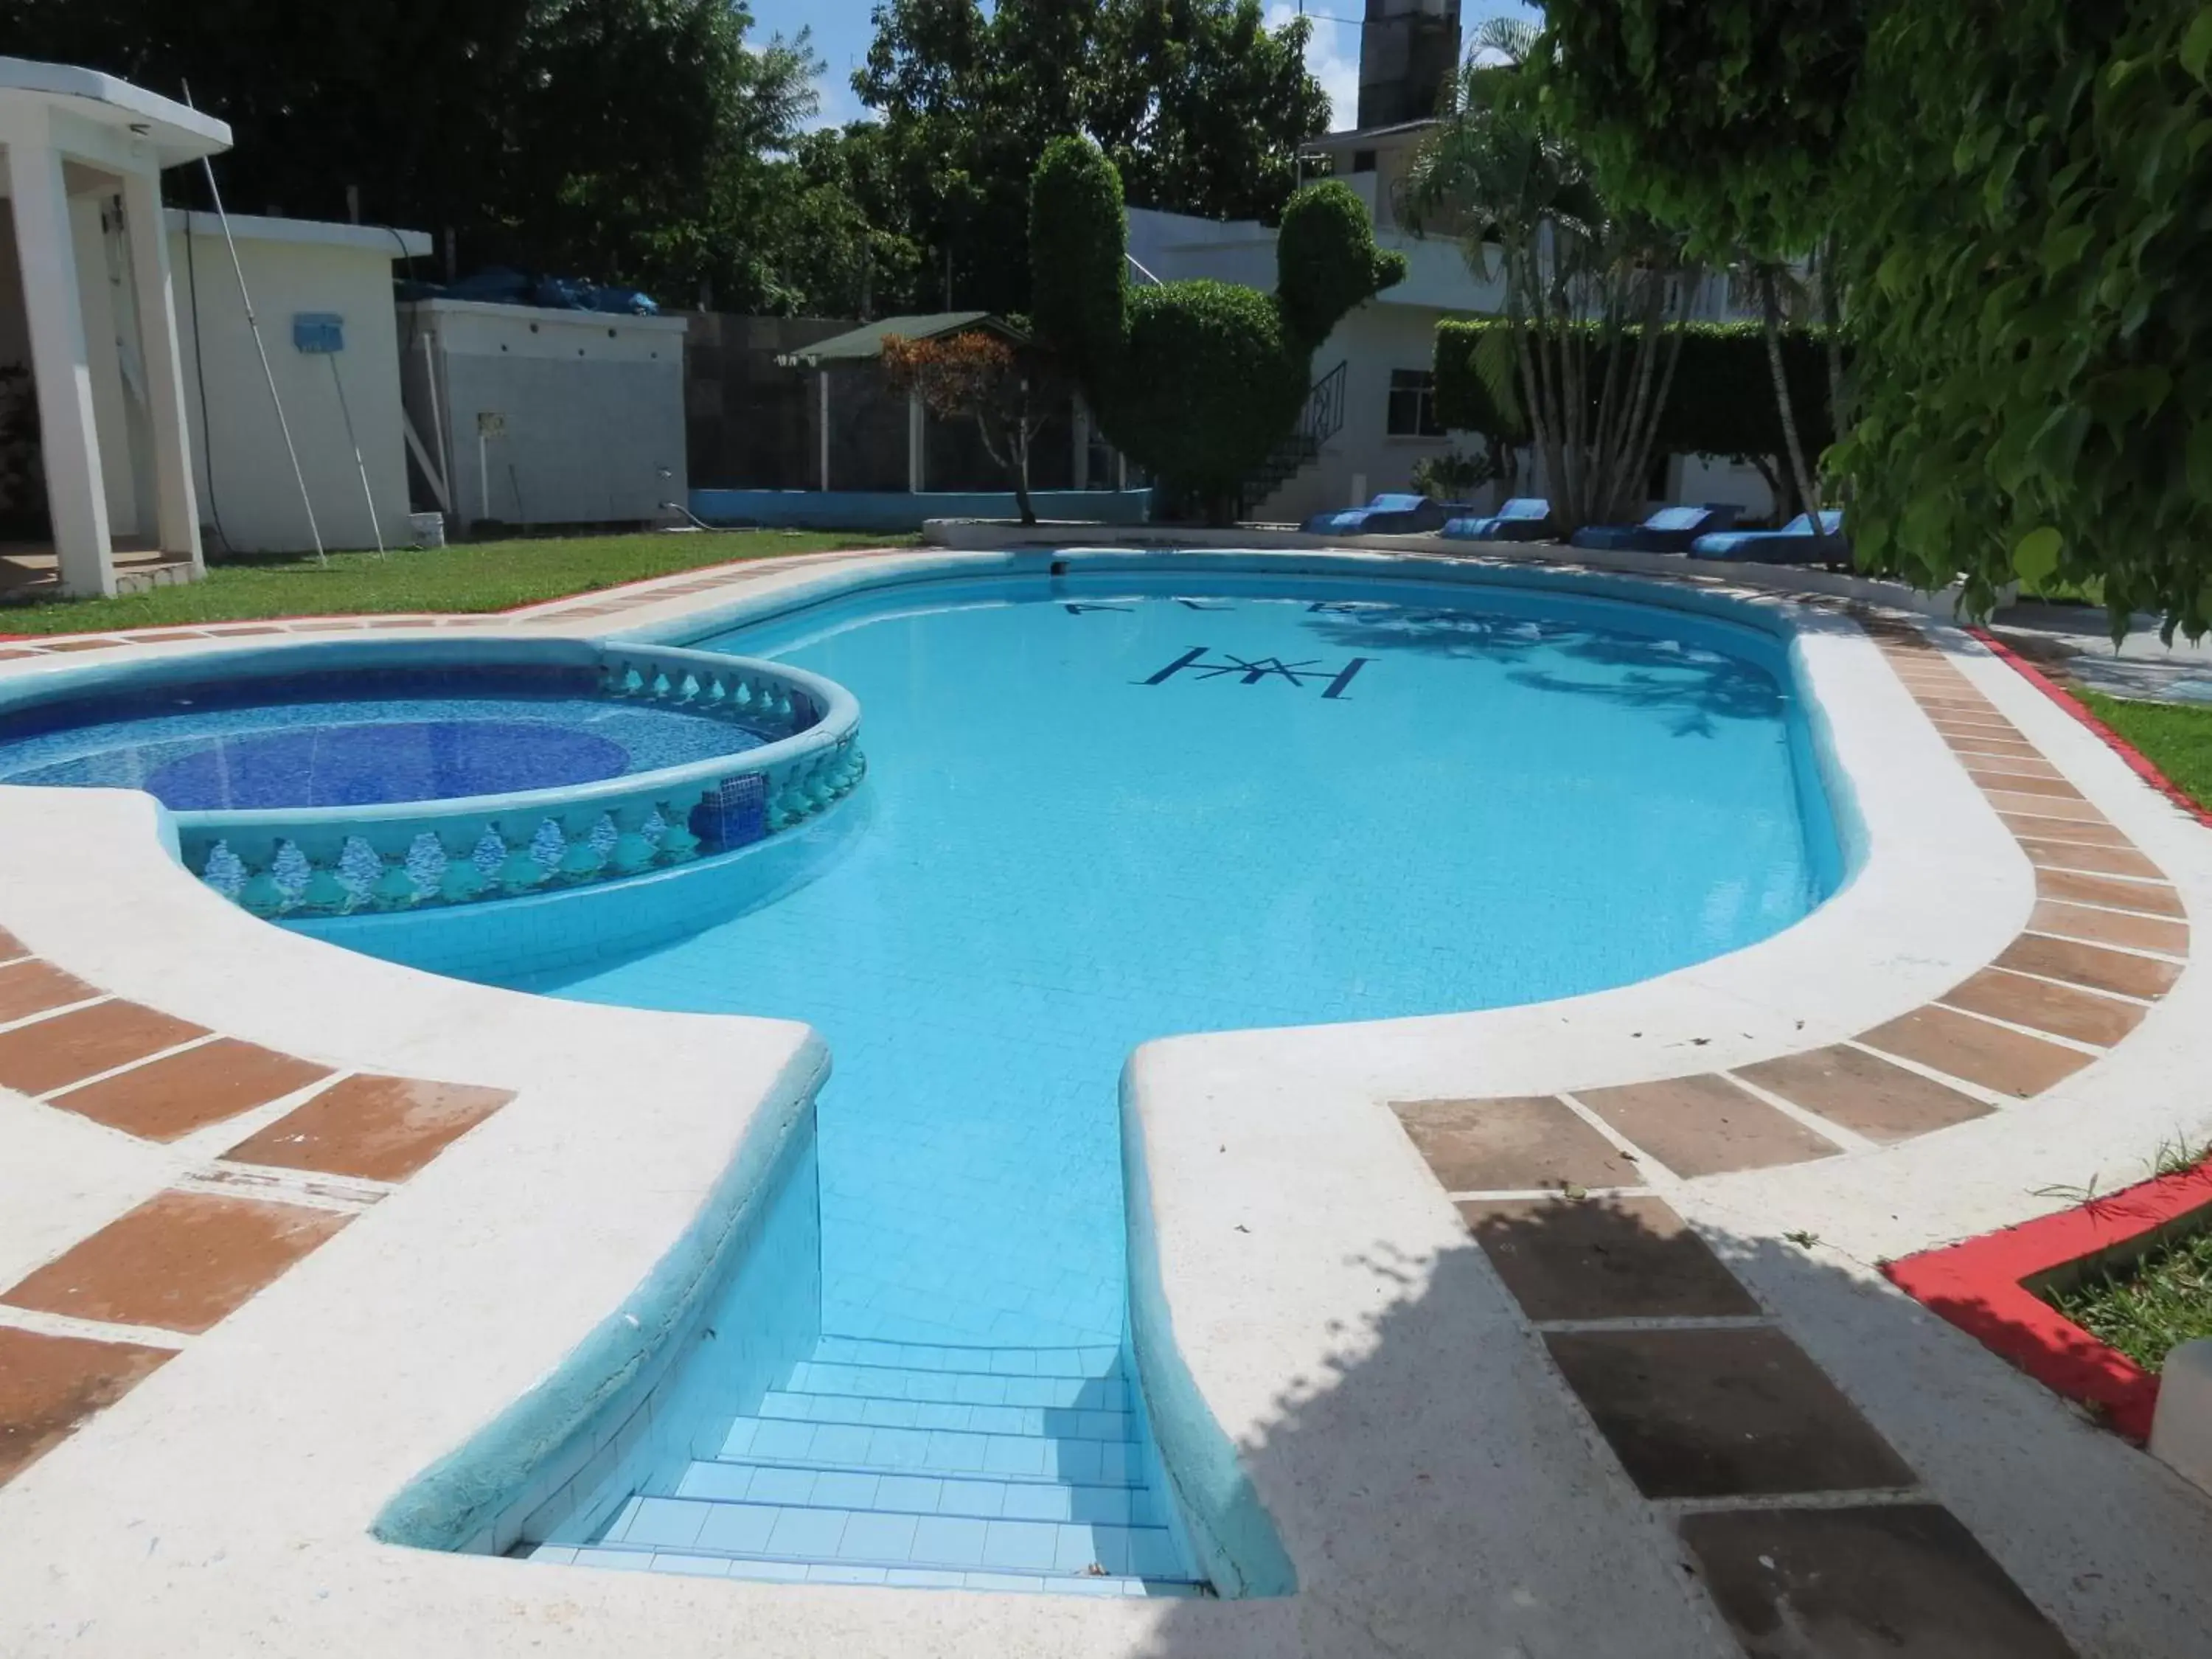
pixel 895 1463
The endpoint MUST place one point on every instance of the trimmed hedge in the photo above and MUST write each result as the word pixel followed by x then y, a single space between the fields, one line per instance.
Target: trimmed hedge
pixel 1076 231
pixel 1722 402
pixel 1194 381
pixel 1210 380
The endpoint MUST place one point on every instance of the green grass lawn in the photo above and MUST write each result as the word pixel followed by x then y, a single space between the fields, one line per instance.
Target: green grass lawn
pixel 469 576
pixel 2152 1305
pixel 2178 738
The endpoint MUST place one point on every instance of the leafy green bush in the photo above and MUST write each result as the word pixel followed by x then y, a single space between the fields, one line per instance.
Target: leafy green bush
pixel 1195 382
pixel 2031 305
pixel 1209 382
pixel 1326 262
pixel 1077 232
pixel 1722 402
pixel 1455 477
pixel 1723 393
pixel 2018 194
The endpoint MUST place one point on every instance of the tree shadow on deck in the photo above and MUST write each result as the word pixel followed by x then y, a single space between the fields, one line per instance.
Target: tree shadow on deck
pixel 1443 1488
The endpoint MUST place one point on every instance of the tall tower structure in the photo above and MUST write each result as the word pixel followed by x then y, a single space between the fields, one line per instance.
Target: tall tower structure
pixel 1409 50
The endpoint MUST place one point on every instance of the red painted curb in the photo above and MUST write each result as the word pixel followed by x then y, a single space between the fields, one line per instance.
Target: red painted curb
pixel 1981 1286
pixel 2138 762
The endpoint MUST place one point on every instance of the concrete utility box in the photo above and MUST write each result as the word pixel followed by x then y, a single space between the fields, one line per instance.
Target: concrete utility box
pixel 535 417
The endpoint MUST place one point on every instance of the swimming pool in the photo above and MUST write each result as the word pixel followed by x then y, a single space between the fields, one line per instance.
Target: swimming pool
pixel 1112 808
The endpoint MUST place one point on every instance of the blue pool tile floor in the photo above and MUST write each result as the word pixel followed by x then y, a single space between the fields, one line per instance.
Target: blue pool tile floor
pixel 891 1463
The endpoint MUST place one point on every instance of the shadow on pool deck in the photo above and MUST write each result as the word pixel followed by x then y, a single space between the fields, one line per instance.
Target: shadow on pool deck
pixel 1640 1457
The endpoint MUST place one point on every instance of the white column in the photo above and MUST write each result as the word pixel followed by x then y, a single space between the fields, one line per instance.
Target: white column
pixel 915 438
pixel 176 513
pixel 822 416
pixel 76 494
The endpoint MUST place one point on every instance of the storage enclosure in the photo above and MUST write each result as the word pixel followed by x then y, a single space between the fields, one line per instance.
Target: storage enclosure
pixel 529 416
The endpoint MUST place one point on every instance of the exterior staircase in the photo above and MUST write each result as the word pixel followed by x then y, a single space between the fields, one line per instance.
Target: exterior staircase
pixel 1322 419
pixel 894 1463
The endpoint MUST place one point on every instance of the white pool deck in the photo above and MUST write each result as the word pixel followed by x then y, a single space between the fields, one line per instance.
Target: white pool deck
pixel 1395 1410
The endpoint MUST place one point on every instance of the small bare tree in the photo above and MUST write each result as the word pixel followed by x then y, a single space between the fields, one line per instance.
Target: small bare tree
pixel 1009 389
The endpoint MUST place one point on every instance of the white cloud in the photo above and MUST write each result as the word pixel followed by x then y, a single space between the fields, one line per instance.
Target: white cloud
pixel 1331 59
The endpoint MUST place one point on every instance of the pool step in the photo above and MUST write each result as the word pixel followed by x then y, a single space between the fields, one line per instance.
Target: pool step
pixel 901 1463
pixel 871 1537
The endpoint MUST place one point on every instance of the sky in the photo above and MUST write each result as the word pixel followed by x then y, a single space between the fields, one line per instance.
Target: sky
pixel 841 34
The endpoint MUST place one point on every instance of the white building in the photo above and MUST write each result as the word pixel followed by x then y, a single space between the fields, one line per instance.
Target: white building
pixel 1374 378
pixel 155 417
pixel 86 302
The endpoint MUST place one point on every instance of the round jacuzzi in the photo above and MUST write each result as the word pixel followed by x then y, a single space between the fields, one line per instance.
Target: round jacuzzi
pixel 332 778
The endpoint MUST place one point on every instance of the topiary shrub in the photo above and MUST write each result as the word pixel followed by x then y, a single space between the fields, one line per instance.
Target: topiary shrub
pixel 1194 381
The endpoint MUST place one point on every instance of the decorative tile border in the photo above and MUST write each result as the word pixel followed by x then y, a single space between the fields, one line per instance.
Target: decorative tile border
pixel 81 1329
pixel 2108 937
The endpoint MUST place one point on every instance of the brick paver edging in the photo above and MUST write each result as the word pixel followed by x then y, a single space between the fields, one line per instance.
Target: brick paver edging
pixel 1984 1287
pixel 2138 762
pixel 602 601
pixel 88 1323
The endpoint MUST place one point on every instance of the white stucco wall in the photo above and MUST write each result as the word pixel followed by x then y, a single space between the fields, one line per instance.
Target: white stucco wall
pixel 1363 458
pixel 244 478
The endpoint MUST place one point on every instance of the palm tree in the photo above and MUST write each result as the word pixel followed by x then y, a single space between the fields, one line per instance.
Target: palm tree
pixel 1594 301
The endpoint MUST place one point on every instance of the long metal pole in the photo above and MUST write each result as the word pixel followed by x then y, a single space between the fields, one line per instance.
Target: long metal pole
pixel 267 373
pixel 360 465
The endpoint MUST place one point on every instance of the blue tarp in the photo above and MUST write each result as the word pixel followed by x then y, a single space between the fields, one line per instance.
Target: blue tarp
pixel 500 286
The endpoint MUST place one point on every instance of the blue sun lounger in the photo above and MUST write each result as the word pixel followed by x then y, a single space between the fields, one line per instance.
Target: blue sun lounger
pixel 1670 530
pixel 1794 544
pixel 1386 515
pixel 1523 518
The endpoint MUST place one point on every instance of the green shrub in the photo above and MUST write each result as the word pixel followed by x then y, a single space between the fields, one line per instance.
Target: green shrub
pixel 2015 191
pixel 1194 381
pixel 1722 402
pixel 1326 261
pixel 1076 229
pixel 1205 431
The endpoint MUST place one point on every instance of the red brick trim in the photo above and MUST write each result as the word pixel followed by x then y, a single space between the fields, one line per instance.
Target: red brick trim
pixel 1982 1287
pixel 2138 762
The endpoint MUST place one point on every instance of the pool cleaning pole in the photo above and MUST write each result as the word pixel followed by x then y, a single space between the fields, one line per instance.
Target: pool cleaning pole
pixel 360 465
pixel 254 327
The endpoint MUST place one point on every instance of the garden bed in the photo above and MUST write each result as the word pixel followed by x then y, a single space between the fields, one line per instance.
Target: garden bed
pixel 2007 1289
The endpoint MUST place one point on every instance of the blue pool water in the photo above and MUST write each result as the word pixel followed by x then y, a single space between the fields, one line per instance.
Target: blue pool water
pixel 356 740
pixel 1111 810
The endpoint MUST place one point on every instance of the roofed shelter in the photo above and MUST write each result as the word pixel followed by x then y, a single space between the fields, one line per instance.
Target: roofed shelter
pixel 864 347
pixel 97 294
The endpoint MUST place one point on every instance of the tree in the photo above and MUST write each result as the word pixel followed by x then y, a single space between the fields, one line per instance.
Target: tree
pixel 631 141
pixel 2013 199
pixel 1195 382
pixel 1595 300
pixel 1717 405
pixel 1009 391
pixel 1201 106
